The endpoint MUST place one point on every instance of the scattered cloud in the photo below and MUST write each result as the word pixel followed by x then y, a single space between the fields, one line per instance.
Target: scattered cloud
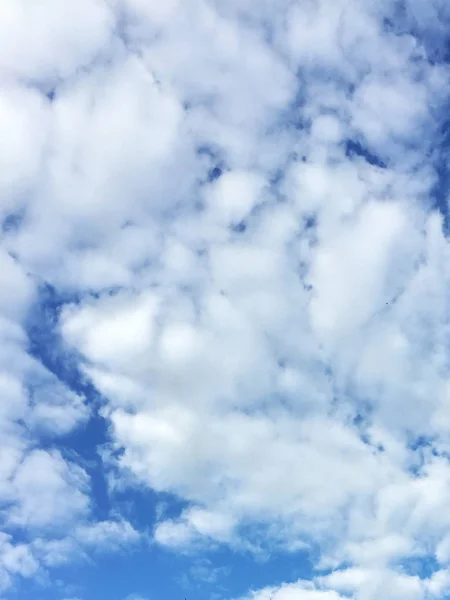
pixel 241 211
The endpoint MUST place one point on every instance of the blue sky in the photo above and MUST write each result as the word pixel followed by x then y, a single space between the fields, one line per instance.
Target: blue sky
pixel 224 317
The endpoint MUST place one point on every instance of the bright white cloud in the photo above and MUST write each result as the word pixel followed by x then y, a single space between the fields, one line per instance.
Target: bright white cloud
pixel 28 51
pixel 106 534
pixel 261 303
pixel 50 491
pixel 14 560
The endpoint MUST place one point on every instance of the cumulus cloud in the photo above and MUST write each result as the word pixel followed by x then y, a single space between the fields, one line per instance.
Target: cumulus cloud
pixel 49 491
pixel 360 583
pixel 15 560
pixel 234 204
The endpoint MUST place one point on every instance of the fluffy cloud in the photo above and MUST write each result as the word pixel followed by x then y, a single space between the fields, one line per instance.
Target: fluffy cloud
pixel 15 560
pixel 48 491
pixel 27 51
pixel 360 584
pixel 234 205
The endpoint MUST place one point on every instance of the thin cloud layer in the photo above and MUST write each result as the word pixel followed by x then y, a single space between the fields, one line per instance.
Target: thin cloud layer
pixel 224 251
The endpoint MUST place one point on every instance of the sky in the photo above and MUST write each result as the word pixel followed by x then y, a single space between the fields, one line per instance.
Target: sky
pixel 224 314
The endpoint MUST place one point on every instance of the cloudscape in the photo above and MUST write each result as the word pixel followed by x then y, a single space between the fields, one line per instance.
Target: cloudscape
pixel 224 300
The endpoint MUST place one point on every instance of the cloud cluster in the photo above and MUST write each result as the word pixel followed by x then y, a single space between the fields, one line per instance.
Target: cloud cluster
pixel 234 203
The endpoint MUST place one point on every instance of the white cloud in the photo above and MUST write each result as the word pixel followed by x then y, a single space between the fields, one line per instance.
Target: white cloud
pixel 18 292
pixel 24 121
pixel 27 50
pixel 367 584
pixel 56 411
pixel 209 357
pixel 350 287
pixel 357 583
pixel 272 375
pixel 234 195
pixel 195 525
pixel 121 331
pixel 303 590
pixel 15 559
pixel 106 535
pixel 50 492
pixel 83 539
